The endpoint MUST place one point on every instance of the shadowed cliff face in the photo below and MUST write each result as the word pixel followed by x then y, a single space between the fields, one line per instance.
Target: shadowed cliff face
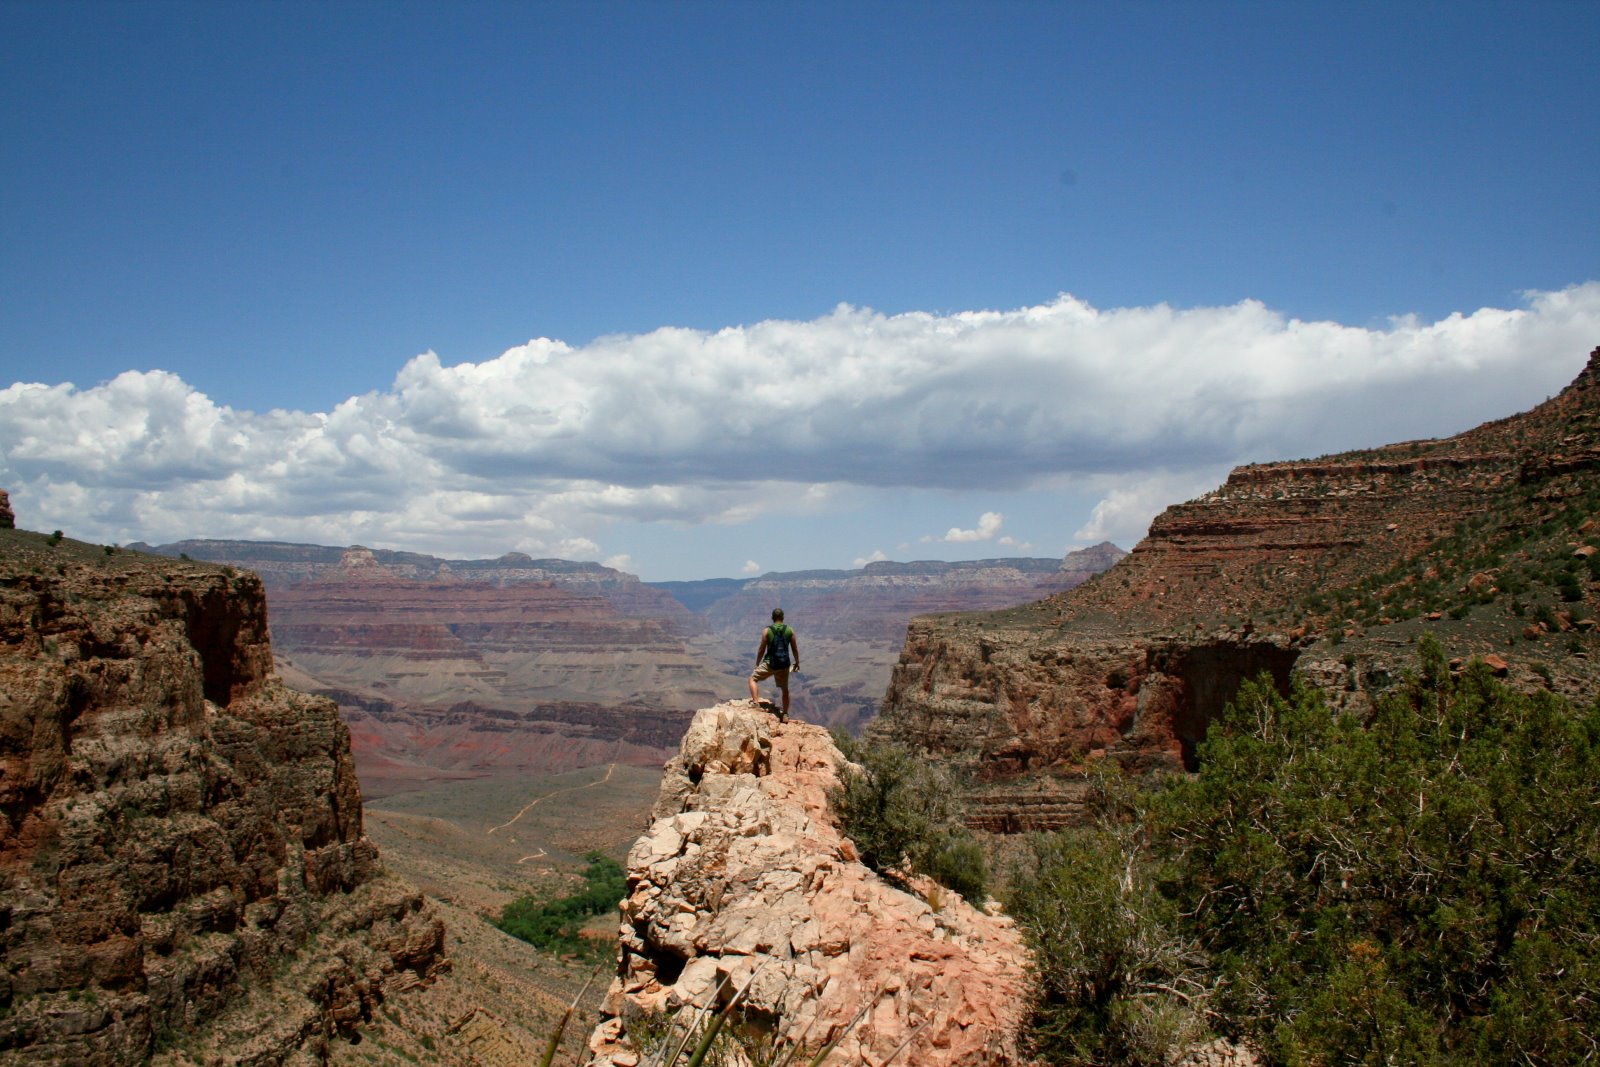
pixel 175 826
pixel 1328 567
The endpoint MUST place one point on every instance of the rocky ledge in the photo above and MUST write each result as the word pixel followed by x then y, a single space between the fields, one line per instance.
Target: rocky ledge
pixel 183 873
pixel 744 877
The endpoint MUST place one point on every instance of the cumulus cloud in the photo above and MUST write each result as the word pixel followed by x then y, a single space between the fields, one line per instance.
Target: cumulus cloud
pixel 546 446
pixel 988 525
pixel 751 567
pixel 1123 515
pixel 876 557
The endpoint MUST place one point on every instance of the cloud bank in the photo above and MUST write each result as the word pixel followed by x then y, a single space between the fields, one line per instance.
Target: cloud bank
pixel 549 445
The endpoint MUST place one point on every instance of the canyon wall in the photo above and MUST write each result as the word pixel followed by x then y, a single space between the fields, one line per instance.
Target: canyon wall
pixel 459 669
pixel 183 873
pixel 1329 569
pixel 451 669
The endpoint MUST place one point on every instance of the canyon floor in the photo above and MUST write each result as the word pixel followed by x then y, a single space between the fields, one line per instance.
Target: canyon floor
pixel 471 847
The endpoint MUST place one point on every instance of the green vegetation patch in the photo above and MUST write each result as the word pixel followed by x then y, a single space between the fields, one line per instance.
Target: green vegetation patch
pixel 556 925
pixel 904 814
pixel 1417 888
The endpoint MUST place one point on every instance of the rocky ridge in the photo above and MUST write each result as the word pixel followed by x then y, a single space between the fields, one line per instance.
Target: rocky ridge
pixel 1329 568
pixel 744 879
pixel 183 872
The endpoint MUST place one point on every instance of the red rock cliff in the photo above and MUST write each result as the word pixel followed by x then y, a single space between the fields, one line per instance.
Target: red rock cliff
pixel 176 827
pixel 1329 567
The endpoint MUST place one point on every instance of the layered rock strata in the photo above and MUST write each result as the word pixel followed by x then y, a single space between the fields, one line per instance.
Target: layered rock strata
pixel 1134 664
pixel 183 873
pixel 744 881
pixel 449 669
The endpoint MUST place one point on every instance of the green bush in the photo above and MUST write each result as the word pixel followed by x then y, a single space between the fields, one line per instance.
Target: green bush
pixel 1420 889
pixel 555 925
pixel 1116 980
pixel 904 815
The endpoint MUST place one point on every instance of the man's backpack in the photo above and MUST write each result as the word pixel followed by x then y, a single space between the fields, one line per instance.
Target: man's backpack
pixel 778 646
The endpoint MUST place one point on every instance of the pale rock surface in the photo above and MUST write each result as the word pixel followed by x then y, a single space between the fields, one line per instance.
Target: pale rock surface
pixel 744 872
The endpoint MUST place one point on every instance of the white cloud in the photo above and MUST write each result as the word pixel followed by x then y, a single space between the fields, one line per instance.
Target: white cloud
pixel 988 525
pixel 751 567
pixel 876 557
pixel 620 562
pixel 548 445
pixel 1123 515
pixel 1011 542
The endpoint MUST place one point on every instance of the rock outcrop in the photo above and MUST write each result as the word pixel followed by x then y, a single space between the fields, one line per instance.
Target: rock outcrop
pixel 1329 567
pixel 183 873
pixel 743 878
pixel 8 518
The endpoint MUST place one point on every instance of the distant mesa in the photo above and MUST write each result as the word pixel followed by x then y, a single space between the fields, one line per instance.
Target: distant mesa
pixel 460 668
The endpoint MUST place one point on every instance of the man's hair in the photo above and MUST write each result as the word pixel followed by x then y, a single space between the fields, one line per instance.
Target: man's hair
pixel 777 614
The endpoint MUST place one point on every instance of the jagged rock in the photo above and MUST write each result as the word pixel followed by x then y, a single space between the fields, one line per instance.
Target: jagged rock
pixel 183 873
pixel 744 876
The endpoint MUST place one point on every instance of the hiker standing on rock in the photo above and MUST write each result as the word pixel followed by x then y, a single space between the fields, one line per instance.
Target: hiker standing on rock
pixel 778 655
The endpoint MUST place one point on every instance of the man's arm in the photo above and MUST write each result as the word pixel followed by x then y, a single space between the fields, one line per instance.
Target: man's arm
pixel 794 643
pixel 761 653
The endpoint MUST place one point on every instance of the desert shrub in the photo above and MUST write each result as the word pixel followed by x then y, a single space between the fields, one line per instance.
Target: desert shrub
pixel 555 925
pixel 1115 979
pixel 904 814
pixel 1418 889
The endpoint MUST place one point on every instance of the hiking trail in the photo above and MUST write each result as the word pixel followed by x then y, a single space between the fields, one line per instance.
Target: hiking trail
pixel 530 805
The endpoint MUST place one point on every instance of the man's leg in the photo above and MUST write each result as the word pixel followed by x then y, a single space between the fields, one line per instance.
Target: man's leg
pixel 755 694
pixel 786 698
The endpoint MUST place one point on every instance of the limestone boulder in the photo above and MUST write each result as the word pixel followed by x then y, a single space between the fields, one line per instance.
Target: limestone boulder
pixel 745 880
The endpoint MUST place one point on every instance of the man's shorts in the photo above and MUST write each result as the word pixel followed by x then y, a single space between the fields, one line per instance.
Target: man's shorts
pixel 765 671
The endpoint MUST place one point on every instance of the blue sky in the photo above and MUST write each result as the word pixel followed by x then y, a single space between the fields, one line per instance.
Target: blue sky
pixel 796 274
